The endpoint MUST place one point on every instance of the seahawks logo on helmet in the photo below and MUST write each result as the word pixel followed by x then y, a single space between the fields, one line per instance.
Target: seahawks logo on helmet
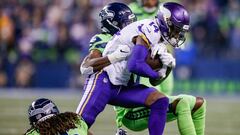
pixel 106 14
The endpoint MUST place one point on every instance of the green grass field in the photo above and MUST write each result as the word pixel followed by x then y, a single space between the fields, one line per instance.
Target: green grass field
pixel 222 113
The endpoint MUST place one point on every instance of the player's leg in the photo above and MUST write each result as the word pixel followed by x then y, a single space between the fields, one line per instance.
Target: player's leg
pixel 96 95
pixel 198 115
pixel 141 95
pixel 136 119
pixel 184 117
pixel 167 85
pixel 183 106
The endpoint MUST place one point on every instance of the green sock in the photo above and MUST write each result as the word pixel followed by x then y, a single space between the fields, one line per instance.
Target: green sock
pixel 199 119
pixel 184 118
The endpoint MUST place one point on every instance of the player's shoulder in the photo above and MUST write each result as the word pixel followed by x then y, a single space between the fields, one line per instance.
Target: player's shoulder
pixel 148 25
pixel 100 37
pixel 147 21
pixel 100 40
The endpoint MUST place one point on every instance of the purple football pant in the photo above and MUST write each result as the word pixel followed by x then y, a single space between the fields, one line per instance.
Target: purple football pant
pixel 99 92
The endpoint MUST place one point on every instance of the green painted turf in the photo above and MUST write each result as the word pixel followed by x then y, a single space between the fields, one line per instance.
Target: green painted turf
pixel 222 114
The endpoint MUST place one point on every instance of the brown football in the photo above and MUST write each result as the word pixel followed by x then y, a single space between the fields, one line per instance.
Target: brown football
pixel 156 64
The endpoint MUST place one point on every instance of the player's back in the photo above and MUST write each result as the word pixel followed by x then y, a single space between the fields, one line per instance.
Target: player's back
pixel 81 129
pixel 118 72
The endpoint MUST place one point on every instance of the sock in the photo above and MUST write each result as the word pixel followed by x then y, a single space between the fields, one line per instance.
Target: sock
pixel 157 118
pixel 184 118
pixel 199 119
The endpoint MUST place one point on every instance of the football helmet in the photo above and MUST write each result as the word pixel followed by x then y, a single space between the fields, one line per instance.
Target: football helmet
pixel 173 20
pixel 115 16
pixel 40 110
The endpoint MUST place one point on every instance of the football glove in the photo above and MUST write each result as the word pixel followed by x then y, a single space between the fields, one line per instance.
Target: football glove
pixel 158 49
pixel 120 54
pixel 162 72
pixel 167 59
pixel 86 70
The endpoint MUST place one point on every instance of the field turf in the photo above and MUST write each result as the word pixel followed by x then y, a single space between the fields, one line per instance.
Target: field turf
pixel 223 113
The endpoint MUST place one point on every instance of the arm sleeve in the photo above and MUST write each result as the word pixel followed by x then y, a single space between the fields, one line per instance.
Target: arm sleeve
pixel 137 63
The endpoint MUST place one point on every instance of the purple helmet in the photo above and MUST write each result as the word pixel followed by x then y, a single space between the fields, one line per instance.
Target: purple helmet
pixel 173 20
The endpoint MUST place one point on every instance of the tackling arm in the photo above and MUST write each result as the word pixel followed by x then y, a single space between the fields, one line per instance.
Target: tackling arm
pixel 94 62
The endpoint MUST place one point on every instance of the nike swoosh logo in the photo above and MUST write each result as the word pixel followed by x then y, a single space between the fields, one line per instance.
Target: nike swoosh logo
pixel 123 51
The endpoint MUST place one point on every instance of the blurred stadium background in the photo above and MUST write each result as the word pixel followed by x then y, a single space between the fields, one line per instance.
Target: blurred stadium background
pixel 42 43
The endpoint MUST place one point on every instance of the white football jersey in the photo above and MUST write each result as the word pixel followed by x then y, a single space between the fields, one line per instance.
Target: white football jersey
pixel 118 72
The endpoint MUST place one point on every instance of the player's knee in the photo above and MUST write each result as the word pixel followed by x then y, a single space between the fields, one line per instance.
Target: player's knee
pixel 160 104
pixel 200 103
pixel 153 97
pixel 182 106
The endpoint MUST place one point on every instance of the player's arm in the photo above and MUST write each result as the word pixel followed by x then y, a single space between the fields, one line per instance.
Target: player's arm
pixel 95 62
pixel 137 60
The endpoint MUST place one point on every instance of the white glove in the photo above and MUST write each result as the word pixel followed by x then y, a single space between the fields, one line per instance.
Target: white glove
pixel 86 70
pixel 158 49
pixel 167 59
pixel 162 72
pixel 120 54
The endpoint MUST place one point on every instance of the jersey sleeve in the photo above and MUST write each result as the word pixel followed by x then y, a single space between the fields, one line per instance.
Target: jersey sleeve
pixel 99 42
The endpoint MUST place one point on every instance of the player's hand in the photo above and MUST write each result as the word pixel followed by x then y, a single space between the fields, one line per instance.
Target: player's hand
pixel 120 54
pixel 121 131
pixel 158 49
pixel 167 59
pixel 162 72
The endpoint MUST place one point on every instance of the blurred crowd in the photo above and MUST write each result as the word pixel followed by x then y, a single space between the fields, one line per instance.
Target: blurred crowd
pixel 39 32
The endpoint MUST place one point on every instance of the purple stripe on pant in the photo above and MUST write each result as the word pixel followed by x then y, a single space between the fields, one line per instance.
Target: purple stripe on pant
pixel 99 91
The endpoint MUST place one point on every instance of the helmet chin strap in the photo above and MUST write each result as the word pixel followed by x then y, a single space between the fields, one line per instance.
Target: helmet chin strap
pixel 150 10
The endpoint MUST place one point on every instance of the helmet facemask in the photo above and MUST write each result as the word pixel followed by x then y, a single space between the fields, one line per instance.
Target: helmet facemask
pixel 176 36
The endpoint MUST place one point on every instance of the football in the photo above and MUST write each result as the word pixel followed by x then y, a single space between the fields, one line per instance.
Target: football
pixel 156 64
